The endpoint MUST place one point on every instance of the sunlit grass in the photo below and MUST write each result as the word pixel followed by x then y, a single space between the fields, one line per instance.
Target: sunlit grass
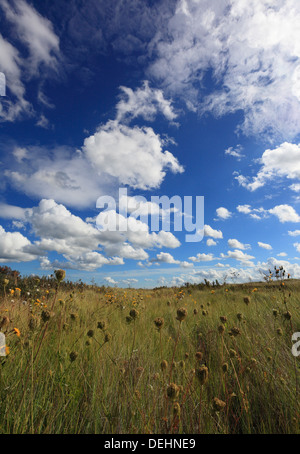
pixel 150 361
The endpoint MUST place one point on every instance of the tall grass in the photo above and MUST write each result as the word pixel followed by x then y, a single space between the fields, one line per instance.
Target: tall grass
pixel 94 362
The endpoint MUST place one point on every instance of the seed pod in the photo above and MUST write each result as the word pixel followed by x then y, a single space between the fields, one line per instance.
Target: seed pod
pixel 172 391
pixel 73 356
pixel 45 316
pixel 101 325
pixel 176 409
pixel 225 368
pixel 159 323
pixel 199 356
pixel 107 337
pixel 164 365
pixel 202 374
pixel 181 314
pixel 60 275
pixel 221 329
pixel 247 300
pixel 218 404
pixel 134 314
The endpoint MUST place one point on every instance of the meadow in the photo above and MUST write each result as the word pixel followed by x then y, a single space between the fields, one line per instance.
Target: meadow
pixel 199 359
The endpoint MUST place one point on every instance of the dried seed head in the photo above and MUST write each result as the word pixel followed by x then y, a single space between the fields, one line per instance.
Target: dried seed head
pixel 223 319
pixel 101 325
pixel 45 316
pixel 287 315
pixel 279 332
pixel 247 300
pixel 195 311
pixel 275 313
pixel 73 356
pixel 107 337
pixel 202 374
pixel 234 331
pixel 218 404
pixel 134 314
pixel 4 322
pixel 60 275
pixel 90 333
pixel 176 409
pixel 159 323
pixel 221 329
pixel 225 368
pixel 164 364
pixel 181 314
pixel 172 391
pixel 199 356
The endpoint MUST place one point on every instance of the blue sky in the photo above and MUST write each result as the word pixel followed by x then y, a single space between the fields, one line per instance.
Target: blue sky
pixel 163 98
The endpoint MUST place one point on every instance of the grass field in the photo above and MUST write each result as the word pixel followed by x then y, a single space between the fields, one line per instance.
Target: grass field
pixel 166 361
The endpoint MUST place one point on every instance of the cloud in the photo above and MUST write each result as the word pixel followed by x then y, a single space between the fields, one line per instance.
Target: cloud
pixel 285 213
pixel 223 213
pixel 264 245
pixel 10 63
pixel 143 102
pixel 116 155
pixel 295 187
pixel 132 155
pixel 80 243
pixel 282 254
pixel 282 161
pixel 11 212
pixel 114 226
pixel 234 41
pixel 239 255
pixel 35 31
pixel 297 246
pixel 235 244
pixel 42 56
pixel 202 258
pixel 62 174
pixel 15 247
pixel 209 231
pixel 294 233
pixel 211 242
pixel 246 209
pixel 165 257
pixel 110 280
pixel 235 152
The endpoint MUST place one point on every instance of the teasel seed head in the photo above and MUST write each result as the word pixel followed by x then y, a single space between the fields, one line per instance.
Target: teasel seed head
pixel 181 314
pixel 202 374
